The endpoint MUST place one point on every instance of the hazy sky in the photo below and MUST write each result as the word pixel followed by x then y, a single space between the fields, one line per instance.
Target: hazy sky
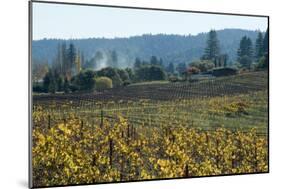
pixel 69 21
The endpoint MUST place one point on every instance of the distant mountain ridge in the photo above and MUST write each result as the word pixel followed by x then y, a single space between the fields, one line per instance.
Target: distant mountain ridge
pixel 171 48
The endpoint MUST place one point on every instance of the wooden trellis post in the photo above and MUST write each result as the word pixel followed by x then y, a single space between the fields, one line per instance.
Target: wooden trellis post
pixel 186 171
pixel 255 154
pixel 49 121
pixel 122 133
pixel 217 156
pixel 110 152
pixel 101 116
pixel 128 131
pixel 81 128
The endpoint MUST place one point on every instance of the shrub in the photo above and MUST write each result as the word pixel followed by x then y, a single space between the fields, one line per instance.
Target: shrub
pixel 83 81
pixel 150 73
pixel 126 82
pixel 263 63
pixel 103 83
pixel 193 70
pixel 123 75
pixel 38 88
pixel 203 65
pixel 246 62
pixel 236 108
pixel 224 72
pixel 174 79
pixel 111 73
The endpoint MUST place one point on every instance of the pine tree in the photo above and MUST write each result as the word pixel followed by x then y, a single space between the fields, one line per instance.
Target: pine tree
pixel 153 60
pixel 171 68
pixel 66 85
pixel 49 82
pixel 265 42
pixel 161 62
pixel 71 57
pixel 64 58
pixel 212 49
pixel 112 59
pixel 245 48
pixel 259 46
pixel 137 63
pixel 46 81
pixel 82 60
pixel 245 52
pixel 57 64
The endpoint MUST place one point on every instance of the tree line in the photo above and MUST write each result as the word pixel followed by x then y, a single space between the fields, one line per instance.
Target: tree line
pixel 249 57
pixel 170 47
pixel 248 54
pixel 70 72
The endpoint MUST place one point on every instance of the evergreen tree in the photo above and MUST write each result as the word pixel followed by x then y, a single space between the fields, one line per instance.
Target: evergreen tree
pixel 259 46
pixel 150 73
pixel 46 82
pixel 71 57
pixel 66 85
pixel 265 42
pixel 245 48
pixel 82 59
pixel 265 59
pixel 221 60
pixel 49 82
pixel 161 62
pixel 170 68
pixel 58 80
pixel 63 58
pixel 137 63
pixel 212 49
pixel 53 86
pixel 57 64
pixel 245 52
pixel 225 60
pixel 113 60
pixel 153 60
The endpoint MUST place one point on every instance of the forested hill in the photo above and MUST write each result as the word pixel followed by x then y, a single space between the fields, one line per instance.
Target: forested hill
pixel 171 48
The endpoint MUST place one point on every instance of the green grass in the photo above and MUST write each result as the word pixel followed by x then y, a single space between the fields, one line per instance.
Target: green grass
pixel 202 113
pixel 149 83
pixel 192 108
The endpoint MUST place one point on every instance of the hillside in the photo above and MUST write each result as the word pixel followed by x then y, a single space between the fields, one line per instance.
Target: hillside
pixel 230 85
pixel 171 48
